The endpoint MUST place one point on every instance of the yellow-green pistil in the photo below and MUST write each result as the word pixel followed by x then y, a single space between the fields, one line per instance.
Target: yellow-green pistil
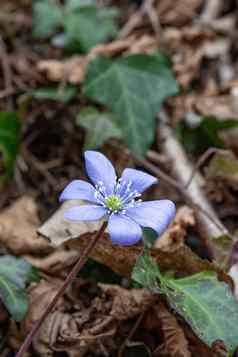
pixel 114 203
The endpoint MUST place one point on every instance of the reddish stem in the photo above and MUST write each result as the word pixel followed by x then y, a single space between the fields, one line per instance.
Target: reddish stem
pixel 70 277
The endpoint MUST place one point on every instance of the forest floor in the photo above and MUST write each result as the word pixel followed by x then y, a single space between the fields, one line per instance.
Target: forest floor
pixel 52 110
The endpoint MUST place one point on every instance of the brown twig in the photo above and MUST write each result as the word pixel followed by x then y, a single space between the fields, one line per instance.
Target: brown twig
pixel 179 188
pixel 70 277
pixel 209 152
pixel 209 225
pixel 209 216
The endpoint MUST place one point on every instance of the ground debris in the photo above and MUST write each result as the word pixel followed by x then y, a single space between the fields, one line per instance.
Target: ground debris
pixel 18 228
pixel 175 235
pixel 175 343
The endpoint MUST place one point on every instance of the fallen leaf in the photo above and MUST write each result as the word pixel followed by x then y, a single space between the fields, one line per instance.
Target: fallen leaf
pixel 174 236
pixel 176 344
pixel 78 326
pixel 179 13
pixel 73 69
pixel 40 295
pixel 127 303
pixel 18 228
pixel 120 259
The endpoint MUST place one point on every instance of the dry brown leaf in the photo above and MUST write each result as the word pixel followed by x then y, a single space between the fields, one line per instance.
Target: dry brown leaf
pixel 187 47
pixel 18 228
pixel 219 349
pixel 176 344
pixel 61 332
pixel 217 106
pixel 222 179
pixel 120 259
pixel 77 326
pixel 127 303
pixel 54 262
pixel 174 236
pixel 177 13
pixel 40 295
pixel 196 346
pixel 73 69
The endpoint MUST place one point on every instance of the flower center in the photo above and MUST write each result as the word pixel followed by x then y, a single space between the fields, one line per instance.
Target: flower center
pixel 114 203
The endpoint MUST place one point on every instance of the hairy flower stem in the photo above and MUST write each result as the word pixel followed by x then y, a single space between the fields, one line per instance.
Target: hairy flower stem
pixel 77 267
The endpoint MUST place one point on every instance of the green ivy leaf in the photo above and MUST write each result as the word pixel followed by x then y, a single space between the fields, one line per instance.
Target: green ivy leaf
pixel 14 273
pixel 80 24
pixel 64 95
pixel 206 303
pixel 100 127
pixel 9 140
pixel 77 20
pixel 47 16
pixel 134 88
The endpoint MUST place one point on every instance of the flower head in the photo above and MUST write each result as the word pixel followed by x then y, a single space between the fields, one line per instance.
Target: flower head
pixel 117 200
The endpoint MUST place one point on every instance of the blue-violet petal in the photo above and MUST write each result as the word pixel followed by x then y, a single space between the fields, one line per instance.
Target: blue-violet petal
pixel 123 231
pixel 100 169
pixel 78 190
pixel 140 180
pixel 85 213
pixel 153 214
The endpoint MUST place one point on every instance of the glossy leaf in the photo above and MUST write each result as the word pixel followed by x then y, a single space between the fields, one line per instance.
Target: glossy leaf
pixel 134 88
pixel 206 303
pixel 14 273
pixel 99 126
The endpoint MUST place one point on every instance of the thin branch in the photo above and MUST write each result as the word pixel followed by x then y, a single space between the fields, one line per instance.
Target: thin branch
pixel 73 273
pixel 209 225
pixel 209 152
pixel 208 213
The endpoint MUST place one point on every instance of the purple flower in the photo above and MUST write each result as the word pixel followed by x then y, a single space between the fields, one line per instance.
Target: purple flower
pixel 117 200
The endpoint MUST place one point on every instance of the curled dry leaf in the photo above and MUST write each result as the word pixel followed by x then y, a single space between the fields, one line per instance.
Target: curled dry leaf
pixel 40 296
pixel 77 326
pixel 54 262
pixel 187 46
pixel 217 106
pixel 127 303
pixel 18 228
pixel 61 332
pixel 73 69
pixel 176 344
pixel 174 237
pixel 18 225
pixel 177 13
